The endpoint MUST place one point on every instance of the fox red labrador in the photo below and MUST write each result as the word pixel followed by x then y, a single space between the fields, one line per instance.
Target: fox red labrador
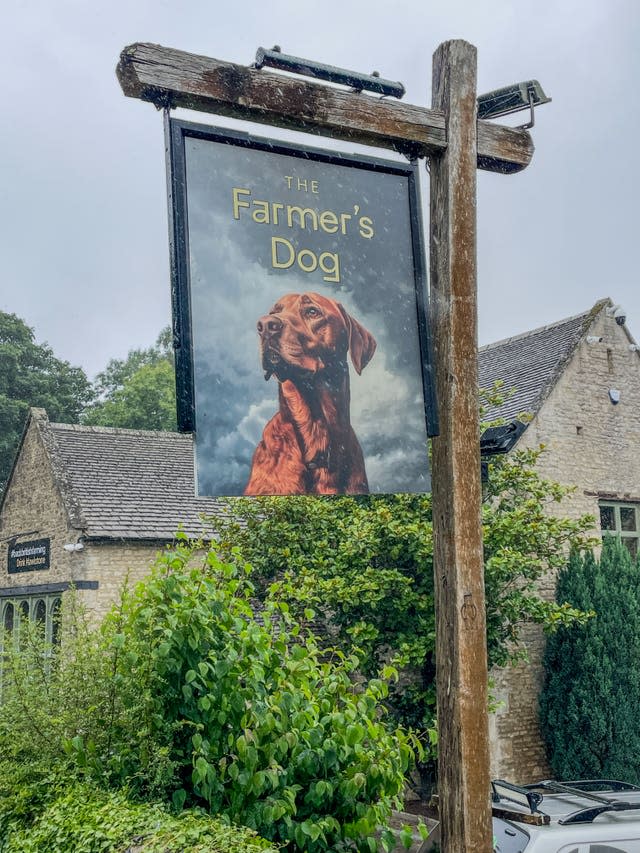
pixel 309 446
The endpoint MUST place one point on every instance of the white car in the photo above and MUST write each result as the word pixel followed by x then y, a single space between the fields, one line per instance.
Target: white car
pixel 589 816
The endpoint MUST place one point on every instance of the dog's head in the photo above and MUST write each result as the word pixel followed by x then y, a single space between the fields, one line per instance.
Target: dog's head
pixel 307 333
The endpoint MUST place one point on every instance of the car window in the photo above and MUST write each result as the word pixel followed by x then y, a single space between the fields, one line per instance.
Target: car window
pixel 508 838
pixel 629 847
pixel 603 847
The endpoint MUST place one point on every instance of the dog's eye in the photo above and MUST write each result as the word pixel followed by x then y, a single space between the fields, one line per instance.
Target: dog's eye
pixel 311 312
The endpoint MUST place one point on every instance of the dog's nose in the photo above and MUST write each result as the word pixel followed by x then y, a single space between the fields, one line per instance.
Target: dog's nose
pixel 269 325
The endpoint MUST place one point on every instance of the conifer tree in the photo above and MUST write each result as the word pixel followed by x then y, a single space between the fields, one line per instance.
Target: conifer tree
pixel 590 702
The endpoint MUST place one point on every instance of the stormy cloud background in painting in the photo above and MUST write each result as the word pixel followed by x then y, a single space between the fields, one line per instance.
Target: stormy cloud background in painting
pixel 233 283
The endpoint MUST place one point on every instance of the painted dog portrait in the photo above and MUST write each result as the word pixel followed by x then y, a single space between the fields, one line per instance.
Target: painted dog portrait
pixel 309 445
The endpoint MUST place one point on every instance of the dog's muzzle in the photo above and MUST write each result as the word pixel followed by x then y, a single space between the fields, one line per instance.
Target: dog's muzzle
pixel 270 328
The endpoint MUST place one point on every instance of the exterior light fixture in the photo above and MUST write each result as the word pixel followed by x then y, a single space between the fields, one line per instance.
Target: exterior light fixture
pixel 614 396
pixel 500 439
pixel 495 440
pixel 618 313
pixel 594 339
pixel 307 67
pixel 512 99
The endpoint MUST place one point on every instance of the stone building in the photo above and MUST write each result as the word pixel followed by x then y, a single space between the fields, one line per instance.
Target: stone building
pixel 580 380
pixel 85 506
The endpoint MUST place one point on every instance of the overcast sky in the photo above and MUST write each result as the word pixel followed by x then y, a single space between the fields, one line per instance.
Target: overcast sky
pixel 83 222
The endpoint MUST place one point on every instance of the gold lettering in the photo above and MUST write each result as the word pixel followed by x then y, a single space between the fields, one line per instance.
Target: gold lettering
pixel 284 255
pixel 237 202
pixel 261 212
pixel 314 187
pixel 343 222
pixel 330 265
pixel 302 213
pixel 329 221
pixel 285 264
pixel 302 184
pixel 276 207
pixel 307 253
pixel 366 227
pixel 288 179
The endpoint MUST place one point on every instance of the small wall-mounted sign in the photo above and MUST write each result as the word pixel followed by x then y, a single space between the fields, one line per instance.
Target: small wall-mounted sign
pixel 32 556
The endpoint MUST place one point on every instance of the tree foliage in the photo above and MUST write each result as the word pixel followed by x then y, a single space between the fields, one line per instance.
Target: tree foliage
pixel 365 565
pixel 591 695
pixel 184 696
pixel 137 392
pixel 30 375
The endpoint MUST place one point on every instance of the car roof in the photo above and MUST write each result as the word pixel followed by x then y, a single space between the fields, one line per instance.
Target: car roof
pixel 567 803
pixel 566 820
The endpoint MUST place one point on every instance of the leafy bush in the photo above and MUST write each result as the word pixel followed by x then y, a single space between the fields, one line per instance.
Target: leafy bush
pixel 85 820
pixel 184 695
pixel 365 564
pixel 591 695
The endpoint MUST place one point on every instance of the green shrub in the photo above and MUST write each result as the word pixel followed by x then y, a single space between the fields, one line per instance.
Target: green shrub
pixel 92 821
pixel 184 695
pixel 590 703
pixel 365 563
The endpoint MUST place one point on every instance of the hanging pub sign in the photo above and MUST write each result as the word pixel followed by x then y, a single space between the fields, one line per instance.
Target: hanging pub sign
pixel 32 556
pixel 299 300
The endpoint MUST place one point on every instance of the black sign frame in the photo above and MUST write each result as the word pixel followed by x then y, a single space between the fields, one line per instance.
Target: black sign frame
pixel 176 134
pixel 27 554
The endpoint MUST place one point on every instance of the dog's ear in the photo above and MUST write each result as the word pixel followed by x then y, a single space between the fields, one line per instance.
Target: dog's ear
pixel 362 344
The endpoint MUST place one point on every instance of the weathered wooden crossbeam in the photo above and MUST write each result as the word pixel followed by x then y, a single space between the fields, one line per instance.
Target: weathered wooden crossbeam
pixel 169 77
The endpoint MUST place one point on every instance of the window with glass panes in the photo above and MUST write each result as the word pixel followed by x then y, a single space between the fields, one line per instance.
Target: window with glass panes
pixel 620 519
pixel 44 610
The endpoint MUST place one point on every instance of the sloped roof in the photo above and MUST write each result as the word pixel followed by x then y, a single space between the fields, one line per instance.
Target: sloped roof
pixel 126 484
pixel 139 484
pixel 532 362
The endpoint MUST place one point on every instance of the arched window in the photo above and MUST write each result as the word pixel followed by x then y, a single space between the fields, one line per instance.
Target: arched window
pixel 23 628
pixel 8 619
pixel 40 612
pixel 44 610
pixel 54 620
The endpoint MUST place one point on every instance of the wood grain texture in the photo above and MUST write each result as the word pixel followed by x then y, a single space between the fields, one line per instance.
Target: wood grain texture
pixel 168 77
pixel 463 749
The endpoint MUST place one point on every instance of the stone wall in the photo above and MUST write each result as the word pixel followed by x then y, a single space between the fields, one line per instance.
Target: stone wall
pixel 115 563
pixel 34 508
pixel 33 505
pixel 593 445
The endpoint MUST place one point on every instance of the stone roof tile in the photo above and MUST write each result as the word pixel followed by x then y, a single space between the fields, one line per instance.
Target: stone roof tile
pixel 128 484
pixel 531 362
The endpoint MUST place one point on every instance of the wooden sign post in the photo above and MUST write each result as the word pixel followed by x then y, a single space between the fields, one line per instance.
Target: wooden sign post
pixel 461 650
pixel 457 144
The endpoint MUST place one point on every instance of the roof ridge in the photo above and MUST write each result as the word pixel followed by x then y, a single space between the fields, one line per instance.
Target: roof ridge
pixel 582 315
pixel 542 353
pixel 106 430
